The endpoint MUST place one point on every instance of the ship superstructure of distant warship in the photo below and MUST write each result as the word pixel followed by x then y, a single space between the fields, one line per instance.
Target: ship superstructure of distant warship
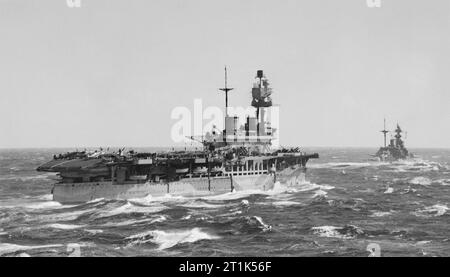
pixel 238 158
pixel 396 149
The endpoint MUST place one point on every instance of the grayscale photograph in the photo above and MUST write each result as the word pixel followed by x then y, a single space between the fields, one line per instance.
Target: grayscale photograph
pixel 230 130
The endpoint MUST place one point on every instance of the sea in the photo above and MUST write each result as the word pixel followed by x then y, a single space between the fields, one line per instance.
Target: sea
pixel 348 206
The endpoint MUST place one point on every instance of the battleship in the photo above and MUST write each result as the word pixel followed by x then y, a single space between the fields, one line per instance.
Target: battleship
pixel 235 159
pixel 396 149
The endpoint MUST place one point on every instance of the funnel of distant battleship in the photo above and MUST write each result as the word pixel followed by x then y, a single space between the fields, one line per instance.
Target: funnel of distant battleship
pixel 236 158
pixel 396 149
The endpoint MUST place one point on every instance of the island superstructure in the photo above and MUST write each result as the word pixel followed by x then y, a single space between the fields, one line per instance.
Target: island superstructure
pixel 237 158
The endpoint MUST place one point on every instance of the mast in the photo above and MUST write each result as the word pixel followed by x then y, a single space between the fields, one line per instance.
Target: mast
pixel 226 90
pixel 384 131
pixel 259 75
pixel 261 99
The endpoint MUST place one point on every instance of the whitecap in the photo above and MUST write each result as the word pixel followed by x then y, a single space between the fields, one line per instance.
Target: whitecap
pixel 346 232
pixel 308 186
pixel 286 203
pixel 443 182
pixel 408 190
pixel 9 248
pixel 416 164
pixel 263 225
pixel 64 226
pixel 167 239
pixel 202 205
pixel 159 218
pixel 432 211
pixel 320 193
pixel 36 205
pixel 149 199
pixel 96 200
pixel 380 214
pixel 328 231
pixel 389 190
pixel 94 231
pixel 128 208
pixel 47 197
pixel 186 217
pixel 44 205
pixel 235 213
pixel 422 242
pixel 346 165
pixel 420 181
pixel 63 216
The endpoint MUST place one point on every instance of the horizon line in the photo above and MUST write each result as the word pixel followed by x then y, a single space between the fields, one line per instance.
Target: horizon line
pixel 191 146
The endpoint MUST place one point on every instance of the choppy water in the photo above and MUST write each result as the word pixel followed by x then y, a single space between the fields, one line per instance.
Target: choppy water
pixel 347 204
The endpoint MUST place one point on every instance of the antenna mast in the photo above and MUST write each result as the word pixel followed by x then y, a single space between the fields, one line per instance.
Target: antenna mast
pixel 384 131
pixel 226 90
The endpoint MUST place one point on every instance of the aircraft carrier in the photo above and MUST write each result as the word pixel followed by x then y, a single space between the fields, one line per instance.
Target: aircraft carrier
pixel 236 158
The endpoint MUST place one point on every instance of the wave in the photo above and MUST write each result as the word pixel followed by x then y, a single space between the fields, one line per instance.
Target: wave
pixel 320 193
pixel 260 223
pixel 93 231
pixel 424 181
pixel 422 242
pixel 64 226
pixel 44 205
pixel 443 182
pixel 233 195
pixel 201 205
pixel 149 199
pixel 308 186
pixel 380 214
pixel 9 248
pixel 46 197
pixel 286 203
pixel 186 217
pixel 354 204
pixel 26 178
pixel 129 208
pixel 427 181
pixel 346 232
pixel 67 216
pixel 408 190
pixel 416 165
pixel 248 224
pixel 168 239
pixel 432 211
pixel 345 165
pixel 159 218
pixel 96 200
pixel 36 205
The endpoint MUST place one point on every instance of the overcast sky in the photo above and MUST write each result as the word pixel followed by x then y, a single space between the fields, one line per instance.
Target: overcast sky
pixel 110 72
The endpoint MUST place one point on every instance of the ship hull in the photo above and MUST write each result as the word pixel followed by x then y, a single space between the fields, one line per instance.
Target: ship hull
pixel 189 187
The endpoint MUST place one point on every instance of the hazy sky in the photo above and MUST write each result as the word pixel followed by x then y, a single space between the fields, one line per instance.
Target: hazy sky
pixel 110 73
